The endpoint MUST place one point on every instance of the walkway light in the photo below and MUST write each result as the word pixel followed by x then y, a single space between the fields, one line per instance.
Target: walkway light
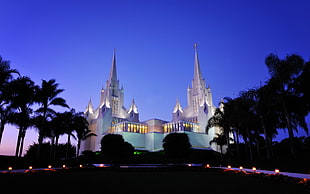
pixel 229 167
pixel 254 169
pixel 30 167
pixel 208 165
pixel 241 168
pixel 277 171
pixel 49 166
pixel 10 168
pixel 81 166
pixel 101 165
pixel 64 166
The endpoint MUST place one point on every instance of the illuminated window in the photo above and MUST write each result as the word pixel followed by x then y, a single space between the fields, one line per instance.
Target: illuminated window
pixel 115 105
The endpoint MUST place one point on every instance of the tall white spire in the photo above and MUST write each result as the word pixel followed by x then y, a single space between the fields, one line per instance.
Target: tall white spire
pixel 112 85
pixel 113 75
pixel 197 73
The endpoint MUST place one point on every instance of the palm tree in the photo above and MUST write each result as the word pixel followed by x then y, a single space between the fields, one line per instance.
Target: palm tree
pixel 225 118
pixel 265 108
pixel 302 86
pixel 221 119
pixel 220 140
pixel 6 72
pixel 56 129
pixel 5 108
pixel 283 76
pixel 67 120
pixel 47 96
pixel 22 91
pixel 80 126
pixel 245 120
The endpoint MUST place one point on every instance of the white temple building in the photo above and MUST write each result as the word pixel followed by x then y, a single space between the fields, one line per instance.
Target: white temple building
pixel 113 117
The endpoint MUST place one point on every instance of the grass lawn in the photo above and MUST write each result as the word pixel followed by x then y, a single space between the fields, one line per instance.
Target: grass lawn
pixel 105 180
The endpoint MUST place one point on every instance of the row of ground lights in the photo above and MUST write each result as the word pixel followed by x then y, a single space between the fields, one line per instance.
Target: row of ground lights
pixel 102 165
pixel 277 171
pixel 50 166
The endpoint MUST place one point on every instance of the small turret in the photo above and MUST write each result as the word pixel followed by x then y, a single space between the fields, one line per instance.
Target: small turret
pixel 89 108
pixel 133 112
pixel 177 111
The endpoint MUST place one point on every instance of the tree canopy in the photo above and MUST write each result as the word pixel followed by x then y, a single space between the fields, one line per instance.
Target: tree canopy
pixel 115 149
pixel 177 147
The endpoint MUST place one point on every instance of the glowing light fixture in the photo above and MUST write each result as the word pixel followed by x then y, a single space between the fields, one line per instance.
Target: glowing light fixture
pixel 254 169
pixel 189 164
pixel 81 166
pixel 10 168
pixel 49 166
pixel 208 165
pixel 241 167
pixel 277 171
pixel 229 167
pixel 101 165
pixel 30 167
pixel 64 166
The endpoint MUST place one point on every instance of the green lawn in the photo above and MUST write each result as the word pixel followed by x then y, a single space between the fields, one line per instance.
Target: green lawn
pixel 105 180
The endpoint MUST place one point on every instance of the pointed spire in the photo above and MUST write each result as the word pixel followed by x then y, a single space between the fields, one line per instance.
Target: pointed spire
pixel 133 107
pixel 197 72
pixel 177 106
pixel 89 107
pixel 113 75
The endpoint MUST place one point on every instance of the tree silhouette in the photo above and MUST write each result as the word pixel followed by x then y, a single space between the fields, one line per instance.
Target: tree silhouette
pixel 80 126
pixel 5 99
pixel 22 91
pixel 177 147
pixel 115 149
pixel 47 96
pixel 220 140
pixel 284 73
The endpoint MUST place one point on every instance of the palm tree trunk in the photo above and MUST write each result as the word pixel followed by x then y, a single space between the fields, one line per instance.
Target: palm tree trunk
pixel 41 133
pixel 56 146
pixel 266 137
pixel 249 142
pixel 290 131
pixel 40 142
pixel 270 146
pixel 257 147
pixel 236 138
pixel 68 144
pixel 227 139
pixel 22 143
pixel 52 149
pixel 1 130
pixel 78 148
pixel 18 142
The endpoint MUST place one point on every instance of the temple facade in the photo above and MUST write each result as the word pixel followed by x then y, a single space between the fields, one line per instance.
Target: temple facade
pixel 111 116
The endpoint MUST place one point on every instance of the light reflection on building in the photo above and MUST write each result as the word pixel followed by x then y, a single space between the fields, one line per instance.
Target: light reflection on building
pixel 180 126
pixel 127 126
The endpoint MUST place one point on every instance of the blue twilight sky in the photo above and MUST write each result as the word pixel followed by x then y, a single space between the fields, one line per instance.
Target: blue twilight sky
pixel 72 41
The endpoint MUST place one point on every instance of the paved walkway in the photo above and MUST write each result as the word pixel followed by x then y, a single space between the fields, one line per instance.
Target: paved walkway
pixel 296 175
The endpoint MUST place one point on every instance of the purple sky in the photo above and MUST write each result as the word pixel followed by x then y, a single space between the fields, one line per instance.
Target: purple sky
pixel 72 41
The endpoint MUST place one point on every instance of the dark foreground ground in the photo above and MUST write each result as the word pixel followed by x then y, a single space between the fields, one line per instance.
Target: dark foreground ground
pixel 107 180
